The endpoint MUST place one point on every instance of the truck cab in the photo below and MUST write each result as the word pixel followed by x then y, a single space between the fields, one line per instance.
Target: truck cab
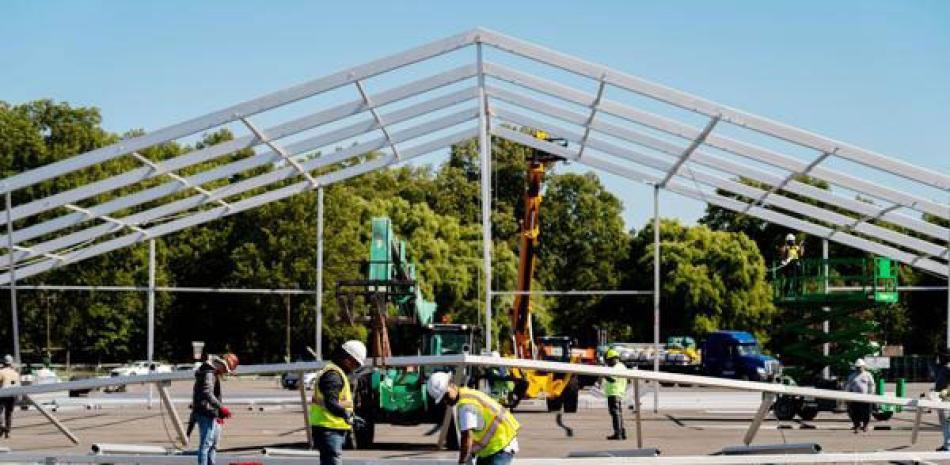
pixel 737 354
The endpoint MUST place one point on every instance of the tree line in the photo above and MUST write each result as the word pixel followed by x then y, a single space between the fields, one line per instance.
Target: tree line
pixel 714 272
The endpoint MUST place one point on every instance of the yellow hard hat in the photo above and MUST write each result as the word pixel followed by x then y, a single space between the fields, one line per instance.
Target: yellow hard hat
pixel 611 353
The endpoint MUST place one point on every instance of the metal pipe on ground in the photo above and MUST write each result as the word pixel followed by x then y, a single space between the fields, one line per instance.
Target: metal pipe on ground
pixel 647 452
pixel 109 448
pixel 278 452
pixel 792 448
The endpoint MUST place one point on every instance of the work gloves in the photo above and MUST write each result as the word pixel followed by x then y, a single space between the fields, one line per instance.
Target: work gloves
pixel 224 413
pixel 356 422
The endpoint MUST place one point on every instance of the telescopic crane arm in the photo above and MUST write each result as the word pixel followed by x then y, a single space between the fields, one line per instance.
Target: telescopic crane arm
pixel 530 232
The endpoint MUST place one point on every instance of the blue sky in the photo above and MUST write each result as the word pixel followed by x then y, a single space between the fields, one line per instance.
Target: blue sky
pixel 876 74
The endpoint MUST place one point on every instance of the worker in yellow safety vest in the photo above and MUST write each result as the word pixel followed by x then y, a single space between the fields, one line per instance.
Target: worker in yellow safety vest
pixel 790 267
pixel 489 432
pixel 331 412
pixel 615 388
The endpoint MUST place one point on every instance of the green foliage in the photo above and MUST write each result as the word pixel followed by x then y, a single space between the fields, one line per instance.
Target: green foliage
pixel 711 280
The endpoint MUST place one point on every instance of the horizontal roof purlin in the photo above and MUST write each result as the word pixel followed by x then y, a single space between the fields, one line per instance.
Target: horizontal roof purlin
pixel 840 217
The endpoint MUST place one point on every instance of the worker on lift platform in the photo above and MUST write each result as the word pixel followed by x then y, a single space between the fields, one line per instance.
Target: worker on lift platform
pixel 791 253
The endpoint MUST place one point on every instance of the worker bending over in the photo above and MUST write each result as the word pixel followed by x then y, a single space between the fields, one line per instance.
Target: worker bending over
pixel 331 412
pixel 489 431
pixel 615 388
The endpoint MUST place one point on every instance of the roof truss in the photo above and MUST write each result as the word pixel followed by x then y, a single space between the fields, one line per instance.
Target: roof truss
pixel 424 115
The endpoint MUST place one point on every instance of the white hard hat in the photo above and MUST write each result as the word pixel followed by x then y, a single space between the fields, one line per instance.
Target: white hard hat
pixel 355 349
pixel 437 385
pixel 495 353
pixel 860 363
pixel 8 359
pixel 789 237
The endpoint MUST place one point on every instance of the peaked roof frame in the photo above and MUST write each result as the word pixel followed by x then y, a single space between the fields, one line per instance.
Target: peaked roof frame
pixel 471 101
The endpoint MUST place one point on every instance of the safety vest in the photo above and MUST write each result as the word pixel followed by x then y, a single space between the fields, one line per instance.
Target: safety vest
pixel 500 426
pixel 319 415
pixel 793 252
pixel 617 387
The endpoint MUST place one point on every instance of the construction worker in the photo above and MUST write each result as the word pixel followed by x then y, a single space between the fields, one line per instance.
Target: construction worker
pixel 615 388
pixel 207 410
pixel 791 253
pixel 8 378
pixel 860 382
pixel 489 432
pixel 331 412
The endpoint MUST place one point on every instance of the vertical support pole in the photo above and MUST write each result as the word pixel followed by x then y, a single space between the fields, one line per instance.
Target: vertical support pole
pixel 170 408
pixel 825 325
pixel 656 294
pixel 767 400
pixel 484 154
pixel 918 413
pixel 306 412
pixel 636 403
pixel 319 322
pixel 150 350
pixel 55 421
pixel 13 307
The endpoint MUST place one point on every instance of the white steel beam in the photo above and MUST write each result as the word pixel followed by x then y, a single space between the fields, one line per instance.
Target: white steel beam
pixel 712 109
pixel 248 108
pixel 230 169
pixel 601 87
pixel 869 210
pixel 262 180
pixel 843 221
pixel 159 170
pixel 276 148
pixel 729 203
pixel 781 185
pixel 376 117
pixel 747 150
pixel 279 131
pixel 689 151
pixel 244 204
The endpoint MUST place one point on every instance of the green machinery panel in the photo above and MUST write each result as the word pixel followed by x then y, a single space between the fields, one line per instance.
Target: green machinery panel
pixel 389 260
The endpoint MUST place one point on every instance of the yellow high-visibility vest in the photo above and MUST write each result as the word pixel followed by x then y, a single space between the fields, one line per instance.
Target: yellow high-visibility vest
pixel 618 386
pixel 500 426
pixel 319 415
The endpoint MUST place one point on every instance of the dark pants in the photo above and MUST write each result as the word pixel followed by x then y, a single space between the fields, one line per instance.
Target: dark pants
pixel 615 407
pixel 330 444
pixel 6 405
pixel 860 414
pixel 501 458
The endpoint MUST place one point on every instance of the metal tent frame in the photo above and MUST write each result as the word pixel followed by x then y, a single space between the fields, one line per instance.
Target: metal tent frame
pixel 486 98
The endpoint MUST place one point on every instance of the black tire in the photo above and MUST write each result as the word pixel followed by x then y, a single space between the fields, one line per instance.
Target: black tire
pixel 570 395
pixel 808 412
pixel 882 415
pixel 785 409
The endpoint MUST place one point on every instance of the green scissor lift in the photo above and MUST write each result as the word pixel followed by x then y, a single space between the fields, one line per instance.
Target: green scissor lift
pixel 816 290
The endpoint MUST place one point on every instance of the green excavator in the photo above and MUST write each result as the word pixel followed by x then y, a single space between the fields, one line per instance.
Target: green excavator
pixel 401 322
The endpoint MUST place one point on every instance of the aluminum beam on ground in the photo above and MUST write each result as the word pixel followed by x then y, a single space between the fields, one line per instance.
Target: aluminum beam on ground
pixel 251 202
pixel 843 221
pixel 251 107
pixel 262 180
pixel 868 210
pixel 679 129
pixel 230 169
pixel 712 109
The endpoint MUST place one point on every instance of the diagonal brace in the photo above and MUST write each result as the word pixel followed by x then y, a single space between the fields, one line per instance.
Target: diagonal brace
pixel 106 218
pixel 807 169
pixel 379 119
pixel 261 136
pixel 593 112
pixel 160 170
pixel 689 150
pixel 768 399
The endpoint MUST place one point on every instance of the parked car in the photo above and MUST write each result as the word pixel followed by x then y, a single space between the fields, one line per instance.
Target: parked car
pixel 289 380
pixel 141 367
pixel 39 376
